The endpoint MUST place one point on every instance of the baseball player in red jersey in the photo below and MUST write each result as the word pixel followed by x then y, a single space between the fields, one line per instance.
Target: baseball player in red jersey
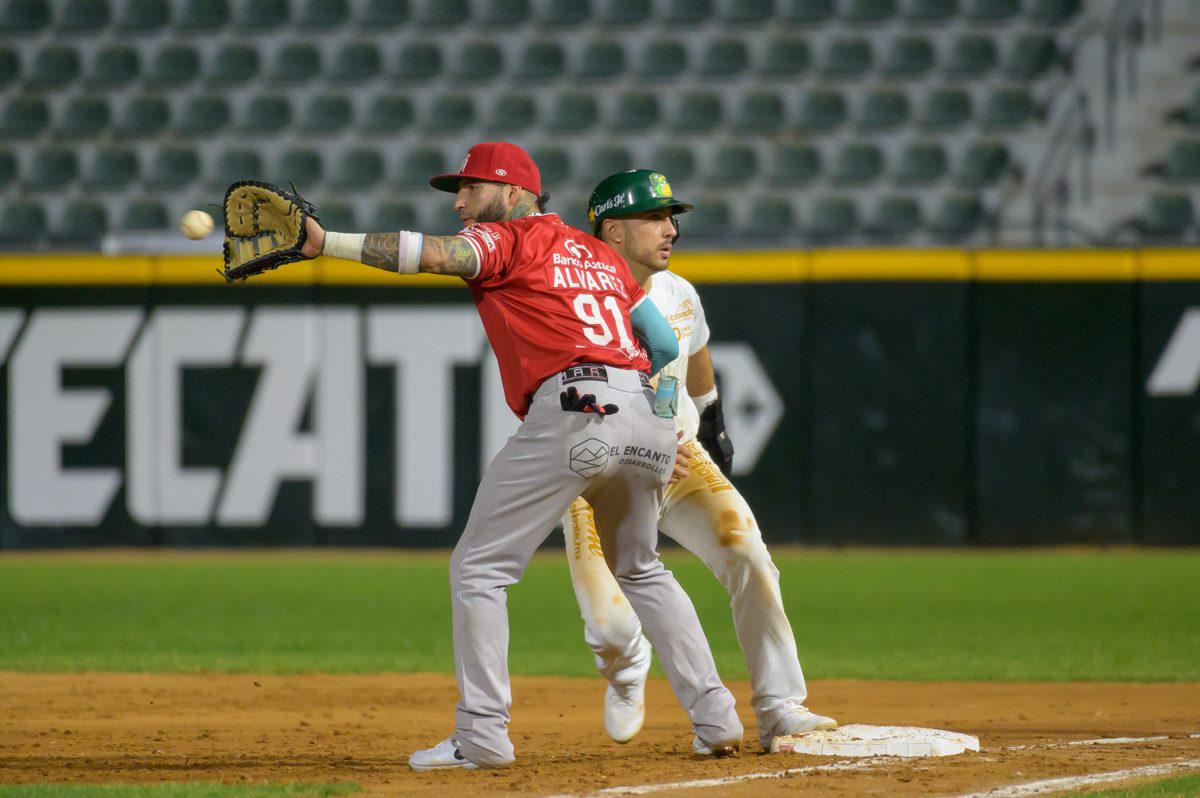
pixel 560 309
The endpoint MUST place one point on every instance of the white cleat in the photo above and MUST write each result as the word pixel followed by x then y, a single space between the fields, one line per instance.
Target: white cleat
pixel 442 756
pixel 625 702
pixel 799 721
pixel 714 749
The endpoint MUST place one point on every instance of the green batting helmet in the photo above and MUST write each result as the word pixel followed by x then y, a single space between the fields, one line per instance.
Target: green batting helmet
pixel 627 193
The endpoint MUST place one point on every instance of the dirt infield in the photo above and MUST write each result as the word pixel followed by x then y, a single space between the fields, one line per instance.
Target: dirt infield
pixel 315 728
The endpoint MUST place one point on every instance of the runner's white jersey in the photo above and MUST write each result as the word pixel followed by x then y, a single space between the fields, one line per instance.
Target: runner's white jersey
pixel 678 301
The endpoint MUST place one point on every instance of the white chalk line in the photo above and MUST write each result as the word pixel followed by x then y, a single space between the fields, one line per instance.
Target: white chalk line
pixel 844 765
pixel 1073 782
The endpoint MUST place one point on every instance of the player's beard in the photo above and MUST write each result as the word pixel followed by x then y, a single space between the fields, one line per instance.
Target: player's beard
pixel 493 211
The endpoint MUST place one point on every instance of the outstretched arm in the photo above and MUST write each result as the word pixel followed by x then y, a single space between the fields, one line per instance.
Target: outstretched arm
pixel 395 252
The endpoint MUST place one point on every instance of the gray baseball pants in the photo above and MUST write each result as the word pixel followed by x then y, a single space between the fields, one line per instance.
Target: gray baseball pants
pixel 619 463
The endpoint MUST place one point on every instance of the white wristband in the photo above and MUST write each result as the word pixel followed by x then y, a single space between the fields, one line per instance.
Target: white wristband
pixel 409 256
pixel 704 401
pixel 347 246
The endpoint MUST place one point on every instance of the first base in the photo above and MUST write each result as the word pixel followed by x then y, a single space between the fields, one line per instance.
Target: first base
pixel 858 740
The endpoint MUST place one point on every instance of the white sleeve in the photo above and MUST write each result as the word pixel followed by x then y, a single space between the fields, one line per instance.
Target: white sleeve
pixel 699 326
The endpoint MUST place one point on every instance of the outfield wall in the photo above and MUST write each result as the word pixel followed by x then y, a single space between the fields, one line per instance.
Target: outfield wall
pixel 906 397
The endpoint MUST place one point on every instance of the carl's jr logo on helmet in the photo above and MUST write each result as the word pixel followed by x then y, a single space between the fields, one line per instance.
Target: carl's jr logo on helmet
pixel 659 185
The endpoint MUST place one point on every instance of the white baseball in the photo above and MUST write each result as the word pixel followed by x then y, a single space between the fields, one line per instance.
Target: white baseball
pixel 196 224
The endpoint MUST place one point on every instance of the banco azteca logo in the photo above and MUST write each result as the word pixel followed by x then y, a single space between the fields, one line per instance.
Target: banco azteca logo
pixel 589 457
pixel 576 249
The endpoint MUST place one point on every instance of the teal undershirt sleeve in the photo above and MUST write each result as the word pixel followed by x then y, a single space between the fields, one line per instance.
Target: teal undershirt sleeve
pixel 656 334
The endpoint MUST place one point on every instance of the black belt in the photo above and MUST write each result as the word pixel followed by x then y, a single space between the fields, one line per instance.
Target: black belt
pixel 593 371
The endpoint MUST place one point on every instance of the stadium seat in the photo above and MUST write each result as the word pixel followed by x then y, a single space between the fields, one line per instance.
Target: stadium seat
pixel 710 220
pixel 604 161
pixel 1009 109
pixel 384 14
pixel 971 56
pixel 636 112
pixel 1033 55
pixel 261 16
pixel 822 111
pixel 322 15
pixel 697 112
pixel 10 67
pixel 204 116
pixel 786 58
pixel 388 114
pixel 53 68
pixel 82 220
pixel 144 117
pixel 795 165
pixel 450 113
pixel 565 13
pixel 24 16
pixel 574 113
pixel 83 118
pixel 304 168
pixel 1166 218
pixel 541 61
pixel 1186 115
pixel 115 67
pixel 946 109
pixel 895 220
pixel 857 165
pixel 328 114
pixel 847 59
pixel 420 164
pixel 921 163
pixel 143 215
pixel 983 164
pixel 503 13
pixel 992 10
pixel 144 16
pixel 725 58
pixel 809 12
pixel 676 162
pixel 512 113
pixel 761 113
pixel 733 165
pixel 8 168
pixel 883 110
pixel 910 57
pixel 602 59
pixel 203 15
pixel 173 66
pixel 173 168
pixel 338 216
pixel 662 59
pixel 83 16
pixel 359 168
pixel 554 165
pixel 748 12
pixel 395 216
pixel 356 62
pixel 234 65
pixel 769 217
pixel 1183 161
pixel 626 12
pixel 926 12
pixel 688 12
pixel 296 63
pixel 266 113
pixel 869 12
pixel 52 169
pixel 957 218
pixel 1053 12
pixel 418 61
pixel 443 13
pixel 833 219
pixel 24 118
pixel 112 169
pixel 22 222
pixel 479 61
pixel 234 165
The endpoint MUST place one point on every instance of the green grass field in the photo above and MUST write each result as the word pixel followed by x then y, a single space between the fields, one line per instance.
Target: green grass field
pixel 1030 615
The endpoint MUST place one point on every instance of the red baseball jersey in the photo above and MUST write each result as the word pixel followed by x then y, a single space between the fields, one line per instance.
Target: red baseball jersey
pixel 551 296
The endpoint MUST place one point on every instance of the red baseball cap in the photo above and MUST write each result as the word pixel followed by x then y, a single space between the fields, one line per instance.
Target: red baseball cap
pixel 495 161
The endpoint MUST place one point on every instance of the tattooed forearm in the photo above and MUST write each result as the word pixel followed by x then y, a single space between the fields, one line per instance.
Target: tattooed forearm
pixel 448 255
pixel 382 250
